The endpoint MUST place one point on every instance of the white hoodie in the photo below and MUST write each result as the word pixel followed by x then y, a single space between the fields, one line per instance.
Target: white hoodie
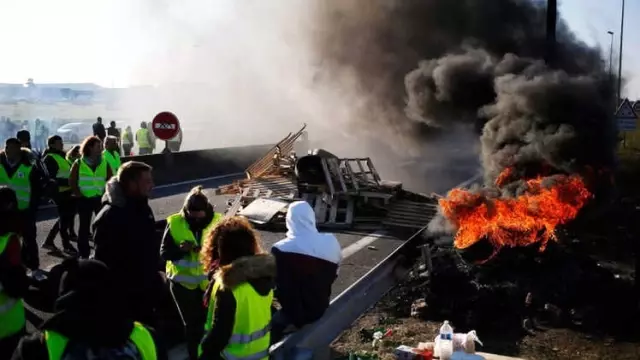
pixel 303 237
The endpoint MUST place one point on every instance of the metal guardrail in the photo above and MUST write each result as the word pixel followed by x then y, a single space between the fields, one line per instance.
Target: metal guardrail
pixel 313 341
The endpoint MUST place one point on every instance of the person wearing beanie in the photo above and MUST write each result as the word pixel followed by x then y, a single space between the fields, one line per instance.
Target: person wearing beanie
pixel 89 322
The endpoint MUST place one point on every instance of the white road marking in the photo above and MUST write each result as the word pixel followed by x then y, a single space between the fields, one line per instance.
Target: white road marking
pixel 362 243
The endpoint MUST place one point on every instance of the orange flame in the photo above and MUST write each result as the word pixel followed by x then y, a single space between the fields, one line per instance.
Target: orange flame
pixel 521 221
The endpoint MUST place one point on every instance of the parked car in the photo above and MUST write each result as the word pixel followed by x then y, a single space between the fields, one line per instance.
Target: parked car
pixel 74 133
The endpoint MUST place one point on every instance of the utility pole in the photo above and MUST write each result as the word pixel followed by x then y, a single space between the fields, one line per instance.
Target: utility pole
pixel 552 19
pixel 620 59
pixel 611 57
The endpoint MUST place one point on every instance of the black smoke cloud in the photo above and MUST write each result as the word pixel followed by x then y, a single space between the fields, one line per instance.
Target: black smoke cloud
pixel 479 62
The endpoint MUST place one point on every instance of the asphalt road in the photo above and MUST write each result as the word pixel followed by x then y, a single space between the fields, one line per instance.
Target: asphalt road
pixel 361 251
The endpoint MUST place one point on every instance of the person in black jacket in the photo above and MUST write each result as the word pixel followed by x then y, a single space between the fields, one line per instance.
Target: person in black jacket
pixel 54 159
pixel 12 160
pixel 13 276
pixel 126 240
pixel 89 313
pixel 99 130
pixel 307 267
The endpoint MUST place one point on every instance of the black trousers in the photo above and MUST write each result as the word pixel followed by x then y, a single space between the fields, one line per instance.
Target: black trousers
pixel 9 344
pixel 66 214
pixel 193 314
pixel 87 207
pixel 30 251
pixel 127 149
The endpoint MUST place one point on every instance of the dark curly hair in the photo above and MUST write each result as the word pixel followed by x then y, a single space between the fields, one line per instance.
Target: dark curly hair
pixel 87 144
pixel 229 240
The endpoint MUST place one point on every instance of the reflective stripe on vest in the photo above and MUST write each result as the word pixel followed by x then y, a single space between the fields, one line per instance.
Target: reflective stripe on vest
pixel 188 271
pixel 19 182
pixel 12 315
pixel 250 336
pixel 113 159
pixel 142 136
pixel 64 169
pixel 92 183
pixel 140 337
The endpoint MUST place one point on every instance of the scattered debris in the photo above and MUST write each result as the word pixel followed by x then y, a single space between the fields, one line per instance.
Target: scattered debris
pixel 344 192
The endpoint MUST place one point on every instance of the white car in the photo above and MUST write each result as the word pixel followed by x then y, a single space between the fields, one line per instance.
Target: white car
pixel 74 133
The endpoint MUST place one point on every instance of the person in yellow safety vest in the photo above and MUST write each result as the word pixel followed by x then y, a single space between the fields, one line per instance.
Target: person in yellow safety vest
pixel 18 172
pixel 60 169
pixel 127 141
pixel 13 277
pixel 89 322
pixel 240 297
pixel 88 179
pixel 111 153
pixel 143 138
pixel 181 243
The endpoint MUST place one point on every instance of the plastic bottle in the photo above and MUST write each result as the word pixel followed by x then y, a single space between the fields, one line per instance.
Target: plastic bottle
pixel 446 341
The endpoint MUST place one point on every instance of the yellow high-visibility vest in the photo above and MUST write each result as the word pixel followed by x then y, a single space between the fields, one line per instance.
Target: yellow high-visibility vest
pixel 251 334
pixel 19 182
pixel 92 183
pixel 124 138
pixel 140 337
pixel 12 318
pixel 113 159
pixel 64 170
pixel 142 137
pixel 188 271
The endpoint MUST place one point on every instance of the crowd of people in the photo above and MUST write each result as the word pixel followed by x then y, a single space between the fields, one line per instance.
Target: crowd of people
pixel 234 298
pixel 144 138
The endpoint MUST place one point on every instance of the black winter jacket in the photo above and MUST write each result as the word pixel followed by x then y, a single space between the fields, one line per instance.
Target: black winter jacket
pixel 125 237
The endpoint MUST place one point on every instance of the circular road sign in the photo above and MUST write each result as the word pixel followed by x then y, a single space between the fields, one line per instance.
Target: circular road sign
pixel 165 125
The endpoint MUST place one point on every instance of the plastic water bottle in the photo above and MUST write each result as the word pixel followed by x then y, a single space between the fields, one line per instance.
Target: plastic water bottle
pixel 446 341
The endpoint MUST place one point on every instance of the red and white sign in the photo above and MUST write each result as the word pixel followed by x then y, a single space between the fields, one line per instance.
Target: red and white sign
pixel 165 125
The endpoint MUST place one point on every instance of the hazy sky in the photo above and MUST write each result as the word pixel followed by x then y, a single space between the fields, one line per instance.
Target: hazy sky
pixel 109 42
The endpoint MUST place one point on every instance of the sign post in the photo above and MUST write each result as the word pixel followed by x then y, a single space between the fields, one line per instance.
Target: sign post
pixel 626 119
pixel 165 126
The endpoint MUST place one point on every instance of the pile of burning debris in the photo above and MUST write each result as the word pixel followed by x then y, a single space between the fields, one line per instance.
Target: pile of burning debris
pixel 496 262
pixel 344 192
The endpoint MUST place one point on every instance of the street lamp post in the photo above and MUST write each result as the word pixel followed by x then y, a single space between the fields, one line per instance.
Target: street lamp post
pixel 611 56
pixel 620 59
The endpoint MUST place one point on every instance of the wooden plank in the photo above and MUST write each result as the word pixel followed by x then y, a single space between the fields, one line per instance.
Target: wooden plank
pixel 334 210
pixel 374 172
pixel 349 217
pixel 327 177
pixel 354 181
pixel 246 190
pixel 336 168
pixel 256 193
pixel 320 210
pixel 362 171
pixel 233 210
pixel 269 193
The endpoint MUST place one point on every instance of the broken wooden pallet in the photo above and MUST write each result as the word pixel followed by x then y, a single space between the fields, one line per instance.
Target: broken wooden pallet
pixel 331 212
pixel 349 175
pixel 269 187
pixel 265 165
pixel 411 214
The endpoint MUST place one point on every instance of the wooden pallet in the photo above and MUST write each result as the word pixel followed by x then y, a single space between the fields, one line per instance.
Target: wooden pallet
pixel 265 164
pixel 269 187
pixel 410 214
pixel 331 212
pixel 350 175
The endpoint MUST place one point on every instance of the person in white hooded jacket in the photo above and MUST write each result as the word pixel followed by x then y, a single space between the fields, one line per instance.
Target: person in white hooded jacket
pixel 307 265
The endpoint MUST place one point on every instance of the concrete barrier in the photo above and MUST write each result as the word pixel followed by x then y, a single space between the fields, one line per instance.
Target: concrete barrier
pixel 197 164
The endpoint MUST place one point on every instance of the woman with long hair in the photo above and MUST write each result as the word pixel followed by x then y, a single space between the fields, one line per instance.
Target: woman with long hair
pixel 240 296
pixel 88 179
pixel 186 231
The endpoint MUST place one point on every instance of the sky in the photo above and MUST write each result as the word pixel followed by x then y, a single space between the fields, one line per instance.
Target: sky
pixel 110 42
